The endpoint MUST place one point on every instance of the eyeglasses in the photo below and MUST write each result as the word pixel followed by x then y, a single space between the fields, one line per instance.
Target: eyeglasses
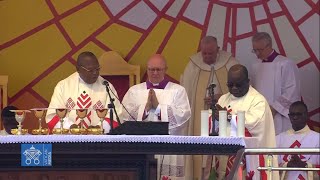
pixel 155 69
pixel 295 114
pixel 237 85
pixel 91 70
pixel 259 50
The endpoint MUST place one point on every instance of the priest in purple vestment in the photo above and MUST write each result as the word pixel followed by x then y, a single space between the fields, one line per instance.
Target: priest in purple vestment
pixel 276 77
pixel 158 99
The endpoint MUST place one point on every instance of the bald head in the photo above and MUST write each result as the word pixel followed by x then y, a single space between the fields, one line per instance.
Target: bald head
pixel 238 81
pixel 85 58
pixel 239 69
pixel 156 68
pixel 157 59
pixel 209 49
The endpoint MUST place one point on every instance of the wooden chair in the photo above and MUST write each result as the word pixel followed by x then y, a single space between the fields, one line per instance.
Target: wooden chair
pixel 112 64
pixel 3 94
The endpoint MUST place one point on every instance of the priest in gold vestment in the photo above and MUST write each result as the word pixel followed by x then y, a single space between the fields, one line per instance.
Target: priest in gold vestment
pixel 208 66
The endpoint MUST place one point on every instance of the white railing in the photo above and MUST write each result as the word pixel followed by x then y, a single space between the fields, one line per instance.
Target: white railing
pixel 270 152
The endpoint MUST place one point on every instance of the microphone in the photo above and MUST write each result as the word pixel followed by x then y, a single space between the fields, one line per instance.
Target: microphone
pixel 111 106
pixel 106 83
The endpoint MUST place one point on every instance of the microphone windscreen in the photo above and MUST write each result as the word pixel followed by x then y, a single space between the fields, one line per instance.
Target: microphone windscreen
pixel 105 83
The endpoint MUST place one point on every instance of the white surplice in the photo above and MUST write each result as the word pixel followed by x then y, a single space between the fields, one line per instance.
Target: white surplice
pixel 174 108
pixel 279 82
pixel 304 138
pixel 258 123
pixel 74 93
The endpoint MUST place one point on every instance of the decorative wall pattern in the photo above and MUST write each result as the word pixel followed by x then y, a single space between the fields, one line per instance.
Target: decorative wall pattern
pixel 40 40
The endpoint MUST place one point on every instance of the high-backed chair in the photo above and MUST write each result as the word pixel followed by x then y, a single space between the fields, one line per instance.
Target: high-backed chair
pixel 3 94
pixel 113 67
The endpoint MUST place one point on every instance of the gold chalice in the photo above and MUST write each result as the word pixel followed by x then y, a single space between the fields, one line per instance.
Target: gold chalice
pixel 20 116
pixel 61 113
pixel 101 113
pixel 81 113
pixel 40 113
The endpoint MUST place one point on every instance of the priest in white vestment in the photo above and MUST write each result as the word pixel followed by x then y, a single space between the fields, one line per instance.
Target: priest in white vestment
pixel 83 89
pixel 208 66
pixel 299 136
pixel 157 99
pixel 276 77
pixel 258 117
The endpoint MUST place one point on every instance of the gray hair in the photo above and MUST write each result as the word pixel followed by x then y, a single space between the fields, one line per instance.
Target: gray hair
pixel 262 36
pixel 209 39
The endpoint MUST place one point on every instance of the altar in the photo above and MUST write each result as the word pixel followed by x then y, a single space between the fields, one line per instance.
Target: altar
pixel 127 157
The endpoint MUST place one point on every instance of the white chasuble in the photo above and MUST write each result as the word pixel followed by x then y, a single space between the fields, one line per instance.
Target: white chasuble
pixel 258 123
pixel 73 93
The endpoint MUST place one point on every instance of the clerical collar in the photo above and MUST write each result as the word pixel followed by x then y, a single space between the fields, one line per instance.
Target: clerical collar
pixel 161 85
pixel 271 57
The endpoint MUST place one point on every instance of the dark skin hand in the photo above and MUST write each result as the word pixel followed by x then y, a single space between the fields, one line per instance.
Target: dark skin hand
pixel 216 112
pixel 208 101
pixel 295 161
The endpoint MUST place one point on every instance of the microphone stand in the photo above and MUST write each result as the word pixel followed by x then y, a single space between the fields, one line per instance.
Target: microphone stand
pixel 213 108
pixel 112 108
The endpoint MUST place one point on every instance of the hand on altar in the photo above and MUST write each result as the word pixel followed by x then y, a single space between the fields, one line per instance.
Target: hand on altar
pixel 219 108
pixel 154 99
pixel 295 161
